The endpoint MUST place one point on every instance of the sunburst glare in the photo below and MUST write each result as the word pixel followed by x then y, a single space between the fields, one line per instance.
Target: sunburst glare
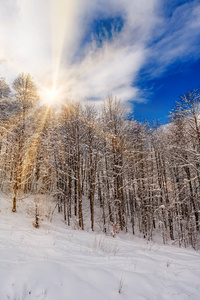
pixel 51 96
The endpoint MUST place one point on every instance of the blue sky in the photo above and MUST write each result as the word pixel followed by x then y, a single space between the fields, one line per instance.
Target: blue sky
pixel 166 90
pixel 145 52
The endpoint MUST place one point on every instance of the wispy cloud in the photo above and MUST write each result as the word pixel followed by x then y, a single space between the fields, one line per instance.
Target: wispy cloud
pixel 66 41
pixel 177 40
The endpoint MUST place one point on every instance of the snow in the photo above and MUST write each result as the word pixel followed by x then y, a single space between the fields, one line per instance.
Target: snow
pixel 56 262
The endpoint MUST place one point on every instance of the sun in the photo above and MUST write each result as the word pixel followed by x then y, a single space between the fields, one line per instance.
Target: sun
pixel 53 93
pixel 50 96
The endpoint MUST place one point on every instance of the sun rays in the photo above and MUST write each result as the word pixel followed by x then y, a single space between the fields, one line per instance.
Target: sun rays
pixel 34 144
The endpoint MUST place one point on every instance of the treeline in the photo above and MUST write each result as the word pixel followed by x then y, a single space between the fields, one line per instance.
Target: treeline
pixel 133 177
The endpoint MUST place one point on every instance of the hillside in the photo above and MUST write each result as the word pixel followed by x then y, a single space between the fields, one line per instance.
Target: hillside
pixel 58 262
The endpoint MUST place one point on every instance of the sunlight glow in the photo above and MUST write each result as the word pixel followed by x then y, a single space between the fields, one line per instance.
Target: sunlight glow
pixel 51 96
pixel 34 144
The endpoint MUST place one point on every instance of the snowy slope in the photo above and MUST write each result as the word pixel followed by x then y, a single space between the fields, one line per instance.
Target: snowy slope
pixel 58 263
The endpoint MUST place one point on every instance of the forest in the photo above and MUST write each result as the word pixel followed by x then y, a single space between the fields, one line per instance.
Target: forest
pixel 135 177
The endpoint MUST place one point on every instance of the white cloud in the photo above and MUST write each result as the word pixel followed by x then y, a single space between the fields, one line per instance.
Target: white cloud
pixel 43 38
pixel 178 38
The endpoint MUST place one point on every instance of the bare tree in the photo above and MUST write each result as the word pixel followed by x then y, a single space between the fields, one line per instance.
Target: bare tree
pixel 25 93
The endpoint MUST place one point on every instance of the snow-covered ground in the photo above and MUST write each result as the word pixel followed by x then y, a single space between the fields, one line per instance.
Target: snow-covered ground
pixel 57 263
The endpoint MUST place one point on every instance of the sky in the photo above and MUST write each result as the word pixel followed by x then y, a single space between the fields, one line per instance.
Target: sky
pixel 145 52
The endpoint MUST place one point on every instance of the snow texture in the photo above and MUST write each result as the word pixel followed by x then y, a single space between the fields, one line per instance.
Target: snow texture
pixel 57 262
